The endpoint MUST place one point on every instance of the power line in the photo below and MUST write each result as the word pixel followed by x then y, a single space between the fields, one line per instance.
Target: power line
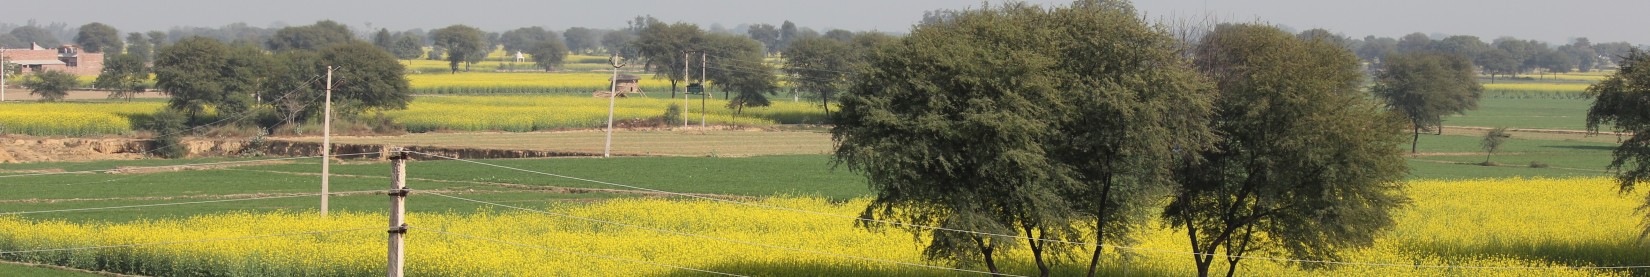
pixel 183 203
pixel 711 237
pixel 574 252
pixel 1022 237
pixel 181 165
pixel 236 118
pixel 188 241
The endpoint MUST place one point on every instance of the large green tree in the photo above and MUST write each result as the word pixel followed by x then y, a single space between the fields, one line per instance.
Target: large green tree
pixel 1427 86
pixel 663 45
pixel 123 75
pixel 548 54
pixel 581 39
pixel 1022 125
pixel 51 85
pixel 139 46
pixel 1305 166
pixel 460 42
pixel 199 72
pixel 34 34
pixel 526 38
pixel 1620 102
pixel 99 38
pixel 407 46
pixel 820 65
pixel 310 37
pixel 736 67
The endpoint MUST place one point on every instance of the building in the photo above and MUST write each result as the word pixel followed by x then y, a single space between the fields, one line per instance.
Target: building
pixel 66 58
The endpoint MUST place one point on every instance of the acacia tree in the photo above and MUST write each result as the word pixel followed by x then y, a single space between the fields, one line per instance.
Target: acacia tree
pixel 663 46
pixel 1022 133
pixel 1619 101
pixel 99 38
pixel 548 54
pixel 460 42
pixel 123 75
pixel 310 37
pixel 197 72
pixel 819 65
pixel 139 46
pixel 51 85
pixel 1271 184
pixel 1427 86
pixel 1492 141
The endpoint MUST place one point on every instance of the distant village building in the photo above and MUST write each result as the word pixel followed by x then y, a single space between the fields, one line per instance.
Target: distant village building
pixel 67 58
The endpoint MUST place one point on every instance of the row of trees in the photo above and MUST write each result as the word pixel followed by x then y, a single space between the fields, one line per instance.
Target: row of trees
pixel 1502 56
pixel 1064 129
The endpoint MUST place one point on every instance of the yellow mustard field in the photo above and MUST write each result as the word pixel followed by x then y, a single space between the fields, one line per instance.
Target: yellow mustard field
pixel 523 83
pixel 1494 227
pixel 531 113
pixel 1537 87
pixel 71 119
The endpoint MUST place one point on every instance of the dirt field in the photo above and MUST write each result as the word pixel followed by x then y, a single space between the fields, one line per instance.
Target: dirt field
pixel 722 143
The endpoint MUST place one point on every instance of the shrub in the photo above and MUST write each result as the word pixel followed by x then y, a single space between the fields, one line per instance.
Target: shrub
pixel 168 126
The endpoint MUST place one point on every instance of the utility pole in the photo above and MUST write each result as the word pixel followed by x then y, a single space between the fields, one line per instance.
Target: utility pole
pixel 398 212
pixel 607 149
pixel 326 146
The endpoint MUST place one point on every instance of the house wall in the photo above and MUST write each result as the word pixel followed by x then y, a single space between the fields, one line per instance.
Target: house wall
pixel 87 64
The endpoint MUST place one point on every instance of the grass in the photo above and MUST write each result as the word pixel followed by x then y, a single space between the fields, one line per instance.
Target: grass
pixel 1453 157
pixel 8 269
pixel 537 113
pixel 753 177
pixel 1526 113
pixel 701 143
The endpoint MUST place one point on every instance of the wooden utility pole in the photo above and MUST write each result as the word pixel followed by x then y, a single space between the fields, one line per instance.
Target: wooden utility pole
pixel 398 212
pixel 3 74
pixel 607 149
pixel 326 146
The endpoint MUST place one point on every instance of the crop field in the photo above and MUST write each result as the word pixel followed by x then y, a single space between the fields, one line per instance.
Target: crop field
pixel 1524 223
pixel 524 83
pixel 1526 113
pixel 532 113
pixel 73 119
pixel 700 143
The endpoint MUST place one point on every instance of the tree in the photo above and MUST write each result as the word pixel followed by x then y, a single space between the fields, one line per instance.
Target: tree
pixel 619 43
pixel 1426 86
pixel 34 34
pixel 157 39
pixel 1024 133
pixel 197 72
pixel 738 69
pixel 369 78
pixel 767 34
pixel 139 46
pixel 1520 52
pixel 51 85
pixel 1266 186
pixel 581 39
pixel 548 54
pixel 99 38
pixel 310 37
pixel 123 75
pixel 663 45
pixel 459 41
pixel 1498 61
pixel 1468 47
pixel 408 47
pixel 819 65
pixel 383 39
pixel 526 39
pixel 1619 102
pixel 840 35
pixel 787 34
pixel 1375 48
pixel 1492 141
pixel 1414 42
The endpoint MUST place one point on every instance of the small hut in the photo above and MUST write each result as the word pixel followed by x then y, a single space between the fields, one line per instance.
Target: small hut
pixel 625 84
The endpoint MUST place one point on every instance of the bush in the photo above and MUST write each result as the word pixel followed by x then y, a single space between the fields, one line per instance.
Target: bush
pixel 1539 164
pixel 673 114
pixel 168 126
pixel 51 85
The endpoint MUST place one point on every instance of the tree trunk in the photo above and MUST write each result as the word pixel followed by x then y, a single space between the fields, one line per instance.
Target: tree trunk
pixel 1099 228
pixel 825 102
pixel 1416 140
pixel 985 251
pixel 1036 251
pixel 672 89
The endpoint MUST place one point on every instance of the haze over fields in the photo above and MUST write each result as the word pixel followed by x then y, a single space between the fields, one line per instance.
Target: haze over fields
pixel 1552 21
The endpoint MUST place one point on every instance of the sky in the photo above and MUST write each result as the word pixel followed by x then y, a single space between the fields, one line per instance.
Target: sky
pixel 1546 20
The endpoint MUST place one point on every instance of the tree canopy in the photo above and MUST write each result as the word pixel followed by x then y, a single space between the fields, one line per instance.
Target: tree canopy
pixel 123 75
pixel 663 45
pixel 99 38
pixel 197 72
pixel 1427 86
pixel 1022 122
pixel 1619 102
pixel 310 37
pixel 548 54
pixel 51 85
pixel 1268 185
pixel 460 42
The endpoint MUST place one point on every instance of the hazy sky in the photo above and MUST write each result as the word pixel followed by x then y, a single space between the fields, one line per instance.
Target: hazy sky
pixel 1547 20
